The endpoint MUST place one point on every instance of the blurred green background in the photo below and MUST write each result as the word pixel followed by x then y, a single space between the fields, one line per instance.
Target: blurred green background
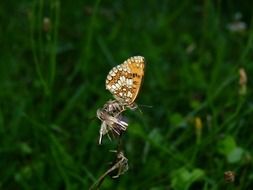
pixel 55 56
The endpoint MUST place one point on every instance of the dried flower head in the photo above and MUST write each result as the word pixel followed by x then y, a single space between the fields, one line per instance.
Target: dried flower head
pixel 229 176
pixel 46 24
pixel 121 164
pixel 111 118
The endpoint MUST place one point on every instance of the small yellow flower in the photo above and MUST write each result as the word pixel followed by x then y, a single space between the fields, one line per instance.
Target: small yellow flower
pixel 198 128
pixel 242 81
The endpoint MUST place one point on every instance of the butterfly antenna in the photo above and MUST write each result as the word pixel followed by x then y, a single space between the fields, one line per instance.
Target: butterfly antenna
pixel 142 105
pixel 146 106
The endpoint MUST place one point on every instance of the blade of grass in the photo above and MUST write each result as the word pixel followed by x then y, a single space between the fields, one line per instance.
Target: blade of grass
pixel 37 57
pixel 55 8
pixel 86 50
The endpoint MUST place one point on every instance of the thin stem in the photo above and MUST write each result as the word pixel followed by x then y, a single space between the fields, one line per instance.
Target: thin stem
pixel 56 6
pixel 36 57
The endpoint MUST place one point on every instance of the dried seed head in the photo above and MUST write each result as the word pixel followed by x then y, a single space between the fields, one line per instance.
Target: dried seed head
pixel 122 164
pixel 46 24
pixel 229 176
pixel 111 118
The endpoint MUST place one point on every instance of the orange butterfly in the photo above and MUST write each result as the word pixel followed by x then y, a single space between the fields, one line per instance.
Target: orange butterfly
pixel 124 82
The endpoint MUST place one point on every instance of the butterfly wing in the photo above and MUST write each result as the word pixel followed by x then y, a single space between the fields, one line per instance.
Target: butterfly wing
pixel 124 81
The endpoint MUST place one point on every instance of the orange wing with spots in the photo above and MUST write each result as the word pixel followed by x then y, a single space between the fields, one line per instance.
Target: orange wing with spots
pixel 124 81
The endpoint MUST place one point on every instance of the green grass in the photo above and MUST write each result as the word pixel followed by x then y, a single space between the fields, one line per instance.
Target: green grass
pixel 52 83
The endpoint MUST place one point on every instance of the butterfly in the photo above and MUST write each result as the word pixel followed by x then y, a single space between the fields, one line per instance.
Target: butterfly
pixel 124 81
